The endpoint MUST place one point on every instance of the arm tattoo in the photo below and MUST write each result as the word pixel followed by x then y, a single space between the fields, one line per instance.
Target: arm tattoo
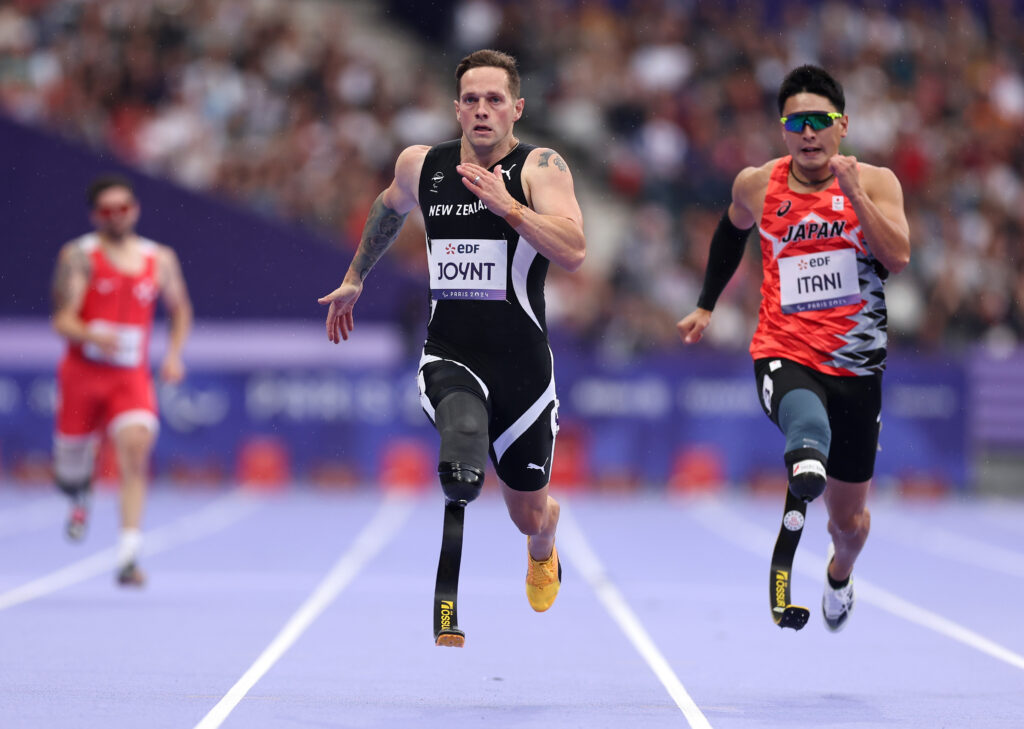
pixel 545 157
pixel 67 277
pixel 381 229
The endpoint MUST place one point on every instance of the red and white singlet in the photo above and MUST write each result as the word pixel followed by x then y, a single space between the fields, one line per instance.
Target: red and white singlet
pixel 96 389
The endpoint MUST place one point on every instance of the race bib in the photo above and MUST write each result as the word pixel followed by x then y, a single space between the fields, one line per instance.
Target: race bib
pixel 129 344
pixel 468 268
pixel 818 281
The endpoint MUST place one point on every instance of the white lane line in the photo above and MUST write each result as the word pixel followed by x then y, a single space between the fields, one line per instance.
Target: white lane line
pixel 393 513
pixel 956 547
pixel 32 516
pixel 586 562
pixel 215 516
pixel 719 519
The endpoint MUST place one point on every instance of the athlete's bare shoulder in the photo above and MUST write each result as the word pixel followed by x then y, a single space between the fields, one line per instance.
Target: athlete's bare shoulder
pixel 752 180
pixel 403 194
pixel 873 175
pixel 164 254
pixel 73 253
pixel 70 275
pixel 410 162
pixel 748 191
pixel 547 158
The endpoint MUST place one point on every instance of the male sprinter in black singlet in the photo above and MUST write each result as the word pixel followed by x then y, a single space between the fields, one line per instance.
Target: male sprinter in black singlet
pixel 496 212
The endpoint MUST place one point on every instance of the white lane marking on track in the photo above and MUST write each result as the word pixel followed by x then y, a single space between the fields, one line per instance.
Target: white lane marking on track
pixel 29 517
pixel 587 563
pixel 719 519
pixel 393 513
pixel 215 516
pixel 955 546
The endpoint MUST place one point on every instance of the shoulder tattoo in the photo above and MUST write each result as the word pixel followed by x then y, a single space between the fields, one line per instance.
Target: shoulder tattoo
pixel 546 160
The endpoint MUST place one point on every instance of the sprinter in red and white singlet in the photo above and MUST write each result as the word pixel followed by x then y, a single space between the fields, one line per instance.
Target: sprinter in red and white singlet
pixel 105 289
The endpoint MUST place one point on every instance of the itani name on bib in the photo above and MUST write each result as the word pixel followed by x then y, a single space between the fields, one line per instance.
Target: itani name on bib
pixel 818 281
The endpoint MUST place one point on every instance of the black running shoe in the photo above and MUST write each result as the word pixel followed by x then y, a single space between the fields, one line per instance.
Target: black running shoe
pixel 131 576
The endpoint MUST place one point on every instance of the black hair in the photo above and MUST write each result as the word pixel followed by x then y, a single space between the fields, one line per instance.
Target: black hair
pixel 104 182
pixel 812 80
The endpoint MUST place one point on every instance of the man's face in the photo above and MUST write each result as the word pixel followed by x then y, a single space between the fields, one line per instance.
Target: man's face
pixel 485 107
pixel 116 212
pixel 811 149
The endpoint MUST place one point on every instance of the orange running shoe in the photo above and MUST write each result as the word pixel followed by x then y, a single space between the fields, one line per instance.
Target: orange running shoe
pixel 543 578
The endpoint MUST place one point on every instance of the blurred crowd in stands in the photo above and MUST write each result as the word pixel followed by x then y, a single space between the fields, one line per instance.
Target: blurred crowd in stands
pixel 299 109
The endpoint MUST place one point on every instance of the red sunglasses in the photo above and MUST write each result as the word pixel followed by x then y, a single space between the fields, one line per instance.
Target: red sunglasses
pixel 109 211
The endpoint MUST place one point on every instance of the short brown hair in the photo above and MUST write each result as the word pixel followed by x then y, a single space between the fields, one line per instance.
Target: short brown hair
pixel 487 57
pixel 103 183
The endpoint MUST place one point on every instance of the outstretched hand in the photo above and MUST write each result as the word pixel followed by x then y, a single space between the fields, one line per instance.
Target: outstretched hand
pixel 339 315
pixel 691 327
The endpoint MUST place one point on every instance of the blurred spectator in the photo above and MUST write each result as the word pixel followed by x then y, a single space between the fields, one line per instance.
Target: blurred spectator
pixel 290 109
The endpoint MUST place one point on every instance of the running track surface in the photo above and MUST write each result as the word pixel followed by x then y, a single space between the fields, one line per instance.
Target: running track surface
pixel 314 610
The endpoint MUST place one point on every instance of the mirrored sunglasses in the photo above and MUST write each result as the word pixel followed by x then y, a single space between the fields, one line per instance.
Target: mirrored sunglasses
pixel 817 119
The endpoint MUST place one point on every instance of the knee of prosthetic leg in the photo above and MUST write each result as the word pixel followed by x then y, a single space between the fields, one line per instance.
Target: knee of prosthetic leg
pixel 806 468
pixel 73 463
pixel 460 482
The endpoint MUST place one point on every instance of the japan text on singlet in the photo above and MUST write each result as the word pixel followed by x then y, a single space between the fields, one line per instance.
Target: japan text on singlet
pixel 822 298
pixel 486 284
pixel 120 303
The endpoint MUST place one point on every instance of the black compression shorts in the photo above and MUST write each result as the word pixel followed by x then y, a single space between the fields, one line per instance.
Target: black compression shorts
pixel 853 404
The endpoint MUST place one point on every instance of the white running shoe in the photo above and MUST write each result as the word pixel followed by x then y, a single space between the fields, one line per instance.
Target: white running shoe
pixel 836 605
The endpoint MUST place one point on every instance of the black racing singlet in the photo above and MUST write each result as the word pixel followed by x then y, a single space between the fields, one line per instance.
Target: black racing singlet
pixel 486 284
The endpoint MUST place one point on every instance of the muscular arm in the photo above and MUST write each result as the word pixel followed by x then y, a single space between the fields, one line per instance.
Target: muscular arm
pixel 70 280
pixel 553 223
pixel 387 215
pixel 176 299
pixel 877 198
pixel 379 232
pixel 727 246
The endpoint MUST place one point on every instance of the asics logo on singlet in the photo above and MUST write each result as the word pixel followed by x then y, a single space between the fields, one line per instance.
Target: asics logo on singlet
pixel 784 208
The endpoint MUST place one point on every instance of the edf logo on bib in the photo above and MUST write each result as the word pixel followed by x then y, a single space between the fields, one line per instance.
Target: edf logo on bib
pixel 453 248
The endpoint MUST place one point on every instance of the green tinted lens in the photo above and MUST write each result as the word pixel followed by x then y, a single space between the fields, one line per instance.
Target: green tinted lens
pixel 817 119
